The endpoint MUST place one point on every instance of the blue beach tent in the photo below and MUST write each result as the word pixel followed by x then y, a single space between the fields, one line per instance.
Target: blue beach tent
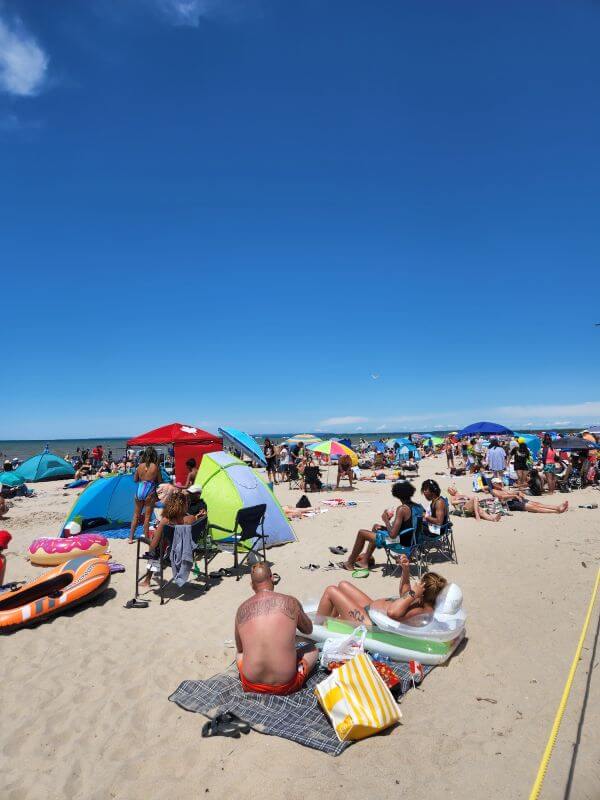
pixel 108 502
pixel 45 467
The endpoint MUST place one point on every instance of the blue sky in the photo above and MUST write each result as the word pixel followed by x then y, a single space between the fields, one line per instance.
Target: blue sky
pixel 239 212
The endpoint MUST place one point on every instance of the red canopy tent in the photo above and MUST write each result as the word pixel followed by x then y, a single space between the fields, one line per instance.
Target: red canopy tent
pixel 187 440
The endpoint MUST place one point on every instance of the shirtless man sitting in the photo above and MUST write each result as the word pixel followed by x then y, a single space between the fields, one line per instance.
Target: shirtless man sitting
pixel 265 637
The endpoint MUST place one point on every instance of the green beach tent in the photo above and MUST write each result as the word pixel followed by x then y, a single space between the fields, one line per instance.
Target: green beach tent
pixel 228 485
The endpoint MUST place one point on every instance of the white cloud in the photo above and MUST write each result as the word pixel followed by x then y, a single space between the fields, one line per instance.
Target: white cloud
pixel 358 428
pixel 189 12
pixel 342 421
pixel 382 427
pixel 23 63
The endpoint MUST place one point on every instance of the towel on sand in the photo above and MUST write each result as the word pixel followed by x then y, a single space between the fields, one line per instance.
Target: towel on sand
pixel 297 716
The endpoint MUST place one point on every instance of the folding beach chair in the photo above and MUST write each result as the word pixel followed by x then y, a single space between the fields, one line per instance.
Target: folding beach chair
pixel 294 477
pixel 441 543
pixel 248 531
pixel 203 549
pixel 312 479
pixel 393 548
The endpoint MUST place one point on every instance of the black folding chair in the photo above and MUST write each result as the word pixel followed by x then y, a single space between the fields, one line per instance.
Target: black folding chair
pixel 203 548
pixel 249 531
pixel 441 543
pixel 294 477
pixel 312 478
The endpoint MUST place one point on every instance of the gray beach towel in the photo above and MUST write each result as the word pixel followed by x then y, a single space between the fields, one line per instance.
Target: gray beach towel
pixel 297 716
pixel 181 554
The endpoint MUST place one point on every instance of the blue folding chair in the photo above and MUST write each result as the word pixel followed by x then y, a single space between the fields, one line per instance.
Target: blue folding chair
pixel 393 548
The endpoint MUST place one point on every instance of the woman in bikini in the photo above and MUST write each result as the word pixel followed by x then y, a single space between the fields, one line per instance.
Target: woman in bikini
pixel 347 602
pixel 468 506
pixel 147 476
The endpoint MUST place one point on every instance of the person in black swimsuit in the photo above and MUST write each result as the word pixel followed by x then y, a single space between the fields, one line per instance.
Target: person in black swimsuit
pixel 521 455
pixel 271 459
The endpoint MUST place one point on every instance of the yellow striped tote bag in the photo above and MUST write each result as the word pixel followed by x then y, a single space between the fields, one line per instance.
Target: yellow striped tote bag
pixel 356 700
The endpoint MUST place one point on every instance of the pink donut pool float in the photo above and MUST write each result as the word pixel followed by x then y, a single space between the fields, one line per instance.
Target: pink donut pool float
pixel 48 552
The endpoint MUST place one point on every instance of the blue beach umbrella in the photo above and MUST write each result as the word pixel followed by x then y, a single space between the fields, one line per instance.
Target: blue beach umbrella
pixel 485 428
pixel 244 442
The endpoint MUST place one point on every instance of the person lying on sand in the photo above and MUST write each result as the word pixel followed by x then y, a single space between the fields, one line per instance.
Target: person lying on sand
pixel 469 506
pixel 347 602
pixel 265 637
pixel 515 500
pixel 394 524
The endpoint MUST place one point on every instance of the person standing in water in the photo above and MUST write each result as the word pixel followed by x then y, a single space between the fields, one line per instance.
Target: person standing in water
pixel 147 477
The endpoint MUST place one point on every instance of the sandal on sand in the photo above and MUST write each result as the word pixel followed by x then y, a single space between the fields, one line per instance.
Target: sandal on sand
pixel 363 572
pixel 220 573
pixel 339 550
pixel 135 603
pixel 226 724
pixel 311 567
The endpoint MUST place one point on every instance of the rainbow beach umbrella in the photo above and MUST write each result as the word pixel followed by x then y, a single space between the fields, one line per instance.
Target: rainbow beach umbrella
pixel 332 448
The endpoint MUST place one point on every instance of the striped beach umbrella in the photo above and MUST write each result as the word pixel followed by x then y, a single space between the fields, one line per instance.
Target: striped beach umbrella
pixel 307 438
pixel 333 448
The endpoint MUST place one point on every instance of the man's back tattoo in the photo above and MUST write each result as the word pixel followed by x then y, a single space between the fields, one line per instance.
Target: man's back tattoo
pixel 262 605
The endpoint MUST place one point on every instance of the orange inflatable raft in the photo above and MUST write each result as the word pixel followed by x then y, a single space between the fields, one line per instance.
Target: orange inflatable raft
pixel 57 590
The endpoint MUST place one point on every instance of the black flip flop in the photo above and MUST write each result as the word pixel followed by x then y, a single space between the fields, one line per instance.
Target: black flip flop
pixel 242 725
pixel 135 603
pixel 220 573
pixel 311 567
pixel 339 550
pixel 220 726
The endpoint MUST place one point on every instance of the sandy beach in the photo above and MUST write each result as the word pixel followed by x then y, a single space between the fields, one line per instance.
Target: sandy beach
pixel 84 697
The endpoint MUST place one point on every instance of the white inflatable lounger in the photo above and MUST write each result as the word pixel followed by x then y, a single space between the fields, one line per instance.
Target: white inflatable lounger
pixel 427 638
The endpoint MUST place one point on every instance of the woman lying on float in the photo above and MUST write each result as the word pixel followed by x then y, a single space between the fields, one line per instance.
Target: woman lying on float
pixel 345 601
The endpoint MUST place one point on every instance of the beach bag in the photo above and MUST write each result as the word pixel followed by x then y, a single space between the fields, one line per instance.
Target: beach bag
pixel 343 648
pixel 478 484
pixel 357 701
pixel 304 502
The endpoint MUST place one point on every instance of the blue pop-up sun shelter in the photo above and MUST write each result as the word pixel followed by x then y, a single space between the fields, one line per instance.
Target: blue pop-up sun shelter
pixel 45 467
pixel 108 503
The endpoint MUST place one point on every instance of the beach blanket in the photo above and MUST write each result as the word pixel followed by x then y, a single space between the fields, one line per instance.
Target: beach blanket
pixel 297 716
